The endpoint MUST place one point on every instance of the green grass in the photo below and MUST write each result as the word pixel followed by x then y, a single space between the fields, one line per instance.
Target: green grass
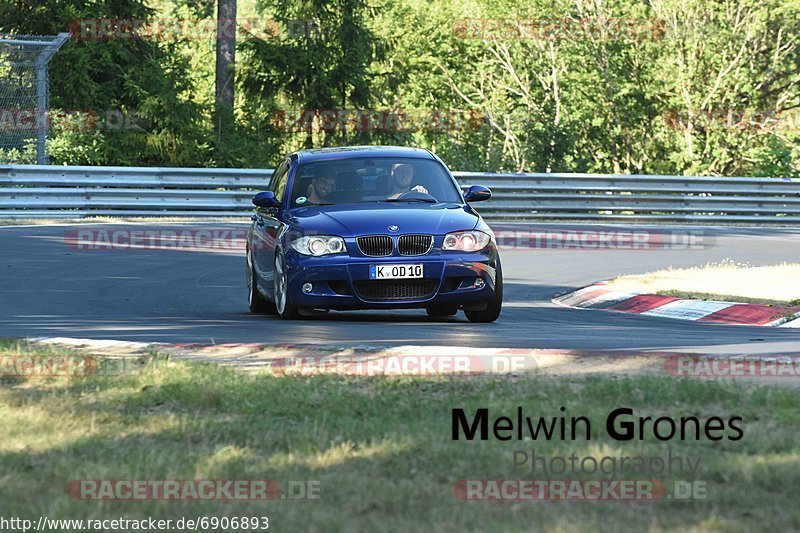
pixel 726 280
pixel 380 447
pixel 688 295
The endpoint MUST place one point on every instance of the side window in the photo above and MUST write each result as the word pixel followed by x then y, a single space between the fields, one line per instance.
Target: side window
pixel 278 182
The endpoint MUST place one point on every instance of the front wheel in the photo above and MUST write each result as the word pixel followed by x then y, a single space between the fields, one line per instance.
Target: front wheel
pixel 256 302
pixel 283 301
pixel 492 311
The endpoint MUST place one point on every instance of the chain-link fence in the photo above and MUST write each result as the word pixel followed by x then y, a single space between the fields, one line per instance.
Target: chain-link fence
pixel 25 96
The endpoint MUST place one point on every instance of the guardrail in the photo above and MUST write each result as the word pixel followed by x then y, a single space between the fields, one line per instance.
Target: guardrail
pixel 33 191
pixel 638 197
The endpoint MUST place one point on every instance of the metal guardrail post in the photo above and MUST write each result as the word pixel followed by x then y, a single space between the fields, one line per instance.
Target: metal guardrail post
pixel 29 54
pixel 43 93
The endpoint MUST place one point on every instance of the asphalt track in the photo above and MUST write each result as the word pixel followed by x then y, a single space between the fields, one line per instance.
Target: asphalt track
pixel 50 289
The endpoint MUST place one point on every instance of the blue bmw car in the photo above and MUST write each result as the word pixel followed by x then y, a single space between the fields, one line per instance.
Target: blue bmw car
pixel 371 228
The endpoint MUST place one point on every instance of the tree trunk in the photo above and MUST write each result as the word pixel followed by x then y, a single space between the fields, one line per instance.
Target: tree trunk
pixel 226 59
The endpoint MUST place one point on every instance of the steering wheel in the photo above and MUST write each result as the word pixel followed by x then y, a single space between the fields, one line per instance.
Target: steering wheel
pixel 411 195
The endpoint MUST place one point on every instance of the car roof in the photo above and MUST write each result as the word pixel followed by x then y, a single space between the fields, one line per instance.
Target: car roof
pixel 347 152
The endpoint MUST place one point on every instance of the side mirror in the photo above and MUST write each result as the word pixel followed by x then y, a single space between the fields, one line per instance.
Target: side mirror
pixel 477 193
pixel 266 199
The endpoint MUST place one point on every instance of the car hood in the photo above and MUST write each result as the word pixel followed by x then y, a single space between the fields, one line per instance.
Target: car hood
pixel 369 219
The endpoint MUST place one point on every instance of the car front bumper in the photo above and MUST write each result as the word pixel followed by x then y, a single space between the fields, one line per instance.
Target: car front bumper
pixel 342 282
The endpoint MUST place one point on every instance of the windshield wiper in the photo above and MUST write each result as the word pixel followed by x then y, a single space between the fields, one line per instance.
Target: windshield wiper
pixel 426 200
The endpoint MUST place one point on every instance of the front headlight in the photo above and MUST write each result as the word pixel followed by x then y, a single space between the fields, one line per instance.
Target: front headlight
pixel 319 245
pixel 466 241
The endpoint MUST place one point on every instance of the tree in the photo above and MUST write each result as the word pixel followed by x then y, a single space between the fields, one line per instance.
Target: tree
pixel 106 74
pixel 226 60
pixel 320 60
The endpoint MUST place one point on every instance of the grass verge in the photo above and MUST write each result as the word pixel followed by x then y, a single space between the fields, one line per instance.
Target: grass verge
pixel 727 281
pixel 380 448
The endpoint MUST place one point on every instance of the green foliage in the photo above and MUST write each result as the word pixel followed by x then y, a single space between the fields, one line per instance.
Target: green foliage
pixel 686 87
pixel 133 76
pixel 26 156
pixel 319 60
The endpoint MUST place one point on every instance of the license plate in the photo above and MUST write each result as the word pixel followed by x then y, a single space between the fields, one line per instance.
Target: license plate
pixel 395 271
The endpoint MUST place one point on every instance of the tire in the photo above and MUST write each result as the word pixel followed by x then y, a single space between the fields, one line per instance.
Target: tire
pixel 492 311
pixel 442 310
pixel 283 301
pixel 256 302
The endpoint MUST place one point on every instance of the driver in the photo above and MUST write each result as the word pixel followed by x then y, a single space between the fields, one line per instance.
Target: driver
pixel 320 189
pixel 402 178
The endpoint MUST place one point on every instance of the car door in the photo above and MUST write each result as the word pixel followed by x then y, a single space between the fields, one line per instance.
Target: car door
pixel 266 226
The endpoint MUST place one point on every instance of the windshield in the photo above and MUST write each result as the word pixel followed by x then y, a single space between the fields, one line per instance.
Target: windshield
pixel 372 179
